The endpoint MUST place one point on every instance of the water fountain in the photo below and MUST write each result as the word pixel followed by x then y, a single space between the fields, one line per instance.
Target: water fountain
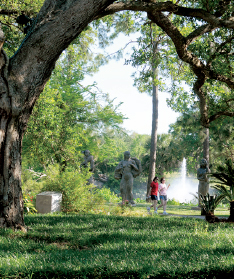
pixel 182 187
pixel 183 174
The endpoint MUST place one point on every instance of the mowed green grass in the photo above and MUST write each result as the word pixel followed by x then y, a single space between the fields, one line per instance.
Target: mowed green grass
pixel 108 246
pixel 140 210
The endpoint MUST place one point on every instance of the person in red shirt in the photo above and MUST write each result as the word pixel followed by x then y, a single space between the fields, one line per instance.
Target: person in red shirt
pixel 153 192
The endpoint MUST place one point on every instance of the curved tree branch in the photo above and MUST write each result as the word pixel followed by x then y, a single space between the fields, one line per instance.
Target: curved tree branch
pixel 30 70
pixel 168 6
pixel 181 43
pixel 219 114
pixel 8 12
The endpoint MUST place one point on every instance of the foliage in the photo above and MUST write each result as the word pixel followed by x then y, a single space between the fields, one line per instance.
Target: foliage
pixel 152 56
pixel 68 117
pixel 222 144
pixel 109 27
pixel 173 202
pixel 14 32
pixel 29 207
pixel 122 209
pixel 94 246
pixel 108 195
pixel 212 49
pixel 209 203
pixel 225 179
pixel 139 200
pixel 168 157
pixel 188 136
pixel 113 183
pixel 32 182
pixel 111 146
pixel 77 194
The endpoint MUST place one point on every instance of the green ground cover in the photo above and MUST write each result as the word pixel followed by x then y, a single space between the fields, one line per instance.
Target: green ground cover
pixel 140 210
pixel 110 246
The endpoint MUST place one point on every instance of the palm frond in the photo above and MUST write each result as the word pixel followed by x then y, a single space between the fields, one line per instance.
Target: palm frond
pixel 195 196
pixel 219 199
pixel 223 190
pixel 225 178
pixel 209 203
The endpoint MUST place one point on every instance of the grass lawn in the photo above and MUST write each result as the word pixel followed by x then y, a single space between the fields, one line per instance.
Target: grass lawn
pixel 140 210
pixel 111 246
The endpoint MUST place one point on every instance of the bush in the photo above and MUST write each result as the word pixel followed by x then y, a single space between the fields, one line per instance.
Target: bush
pixel 113 184
pixel 29 207
pixel 78 195
pixel 108 195
pixel 139 200
pixel 31 185
pixel 173 202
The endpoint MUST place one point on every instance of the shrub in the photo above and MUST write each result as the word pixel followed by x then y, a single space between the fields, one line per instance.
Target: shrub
pixel 29 207
pixel 107 195
pixel 225 180
pixel 113 184
pixel 78 195
pixel 32 182
pixel 173 202
pixel 139 200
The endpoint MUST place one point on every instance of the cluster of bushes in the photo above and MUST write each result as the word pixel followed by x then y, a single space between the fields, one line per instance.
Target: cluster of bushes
pixel 78 194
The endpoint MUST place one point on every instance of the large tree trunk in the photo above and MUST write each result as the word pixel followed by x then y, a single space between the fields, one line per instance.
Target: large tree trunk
pixel 153 145
pixel 206 144
pixel 231 217
pixel 11 200
pixel 11 131
pixel 154 131
pixel 21 82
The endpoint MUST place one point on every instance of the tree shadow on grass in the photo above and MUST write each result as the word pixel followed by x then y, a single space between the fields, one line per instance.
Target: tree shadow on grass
pixel 62 241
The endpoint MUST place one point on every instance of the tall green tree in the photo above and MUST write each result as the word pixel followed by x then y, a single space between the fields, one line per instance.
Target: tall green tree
pixel 151 57
pixel 206 47
pixel 167 159
pixel 188 136
pixel 206 57
pixel 69 118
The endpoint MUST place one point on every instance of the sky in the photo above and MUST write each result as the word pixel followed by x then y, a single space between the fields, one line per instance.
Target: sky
pixel 115 78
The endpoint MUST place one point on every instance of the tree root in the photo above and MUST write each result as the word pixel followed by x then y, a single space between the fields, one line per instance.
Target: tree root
pixel 22 228
pixel 3 224
pixel 211 218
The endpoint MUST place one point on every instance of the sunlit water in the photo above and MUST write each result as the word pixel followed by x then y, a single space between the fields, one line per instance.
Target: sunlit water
pixel 182 187
pixel 183 175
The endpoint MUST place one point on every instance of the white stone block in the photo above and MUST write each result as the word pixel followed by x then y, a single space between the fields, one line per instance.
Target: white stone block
pixel 47 202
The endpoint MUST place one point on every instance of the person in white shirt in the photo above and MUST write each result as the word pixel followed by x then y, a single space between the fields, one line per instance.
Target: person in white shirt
pixel 162 188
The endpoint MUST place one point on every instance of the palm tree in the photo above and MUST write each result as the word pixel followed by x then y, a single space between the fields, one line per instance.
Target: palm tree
pixel 225 186
pixel 209 203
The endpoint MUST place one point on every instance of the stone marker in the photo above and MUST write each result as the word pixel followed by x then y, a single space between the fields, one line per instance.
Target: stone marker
pixel 47 202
